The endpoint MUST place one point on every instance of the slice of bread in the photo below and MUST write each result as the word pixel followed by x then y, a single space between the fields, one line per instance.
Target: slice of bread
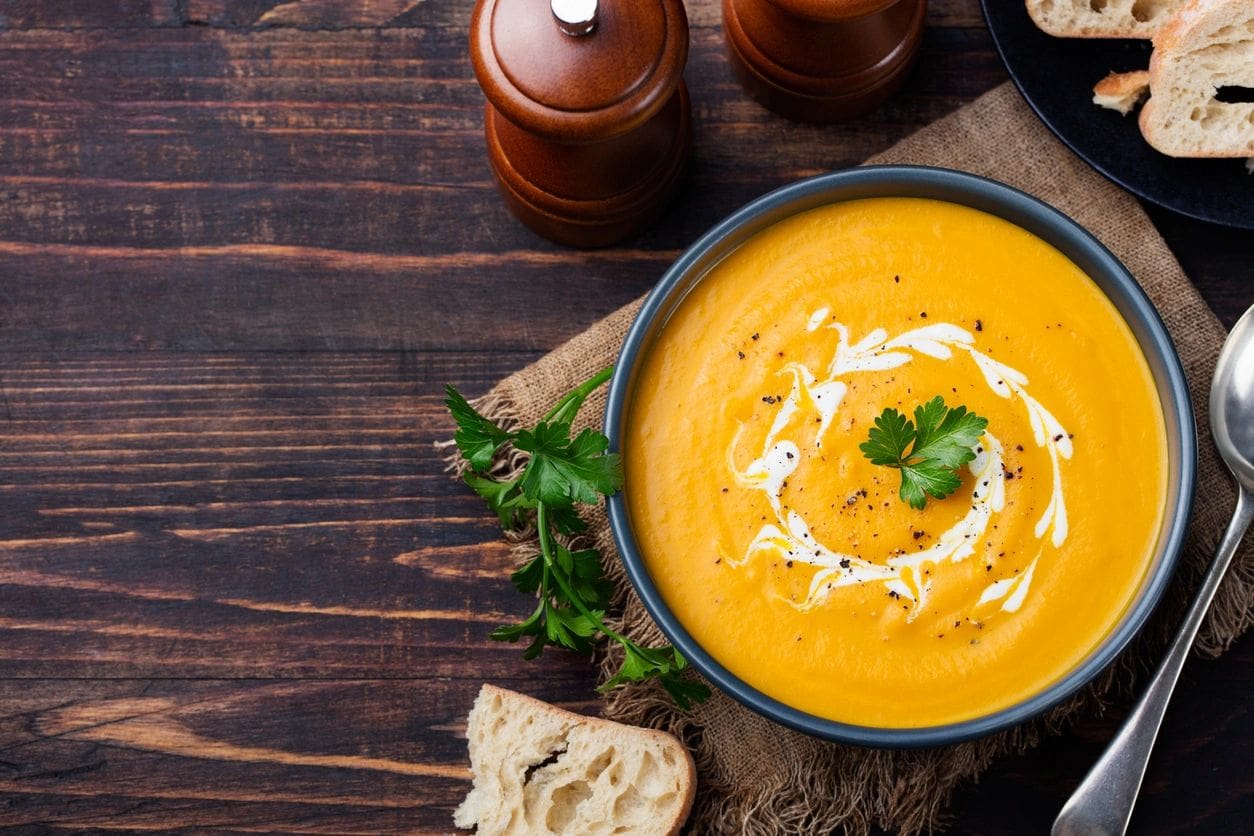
pixel 541 770
pixel 1207 46
pixel 1121 91
pixel 1102 18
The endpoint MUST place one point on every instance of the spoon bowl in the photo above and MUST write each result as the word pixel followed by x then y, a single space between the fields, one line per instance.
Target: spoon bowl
pixel 1232 401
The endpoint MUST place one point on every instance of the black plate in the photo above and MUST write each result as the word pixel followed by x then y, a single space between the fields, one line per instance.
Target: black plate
pixel 1056 76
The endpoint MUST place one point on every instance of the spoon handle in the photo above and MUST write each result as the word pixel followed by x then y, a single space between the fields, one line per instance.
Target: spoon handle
pixel 1102 804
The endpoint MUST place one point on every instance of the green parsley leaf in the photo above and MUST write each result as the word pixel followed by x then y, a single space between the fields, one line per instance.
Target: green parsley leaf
pixel 685 692
pixel 477 437
pixel 567 521
pixel 533 626
pixel 528 577
pixel 639 663
pixel 536 647
pixel 927 451
pixel 569 628
pixel 587 580
pixel 919 480
pixel 667 664
pixel 946 435
pixel 891 435
pixel 505 498
pixel 563 471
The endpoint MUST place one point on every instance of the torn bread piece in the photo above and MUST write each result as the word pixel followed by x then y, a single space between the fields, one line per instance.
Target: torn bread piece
pixel 1122 91
pixel 1202 82
pixel 1102 18
pixel 542 770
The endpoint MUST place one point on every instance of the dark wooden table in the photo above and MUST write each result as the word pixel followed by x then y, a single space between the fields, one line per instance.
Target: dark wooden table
pixel 243 244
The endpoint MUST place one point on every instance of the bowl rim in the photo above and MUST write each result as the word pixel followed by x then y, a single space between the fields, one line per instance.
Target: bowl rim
pixel 1059 231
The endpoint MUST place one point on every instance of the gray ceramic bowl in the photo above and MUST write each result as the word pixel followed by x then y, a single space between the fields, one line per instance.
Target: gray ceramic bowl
pixel 996 199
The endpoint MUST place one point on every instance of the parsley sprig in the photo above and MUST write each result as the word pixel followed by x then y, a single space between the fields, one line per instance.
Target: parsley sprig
pixel 572 592
pixel 939 440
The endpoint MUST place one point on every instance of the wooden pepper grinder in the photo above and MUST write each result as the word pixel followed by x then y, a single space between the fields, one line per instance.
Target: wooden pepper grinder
pixel 822 60
pixel 587 119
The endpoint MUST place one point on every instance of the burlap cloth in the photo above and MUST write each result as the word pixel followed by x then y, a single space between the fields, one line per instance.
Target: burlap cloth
pixel 759 777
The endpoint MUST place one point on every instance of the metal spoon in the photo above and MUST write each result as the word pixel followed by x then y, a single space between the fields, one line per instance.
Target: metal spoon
pixel 1102 804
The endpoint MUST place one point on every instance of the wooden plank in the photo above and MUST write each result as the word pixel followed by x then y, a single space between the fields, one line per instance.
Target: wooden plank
pixel 322 14
pixel 76 14
pixel 361 756
pixel 251 297
pixel 304 14
pixel 217 299
pixel 325 14
pixel 387 756
pixel 309 14
pixel 243 13
pixel 342 136
pixel 244 516
pixel 228 13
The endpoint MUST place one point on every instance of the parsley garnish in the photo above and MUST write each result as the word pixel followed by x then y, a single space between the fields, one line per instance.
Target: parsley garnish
pixel 573 592
pixel 939 440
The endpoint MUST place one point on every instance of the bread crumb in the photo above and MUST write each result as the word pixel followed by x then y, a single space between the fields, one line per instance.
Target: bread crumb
pixel 1122 92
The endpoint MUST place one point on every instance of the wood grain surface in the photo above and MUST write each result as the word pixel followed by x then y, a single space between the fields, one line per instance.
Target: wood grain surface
pixel 243 245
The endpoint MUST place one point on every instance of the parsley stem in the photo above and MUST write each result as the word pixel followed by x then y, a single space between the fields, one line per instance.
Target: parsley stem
pixel 569 405
pixel 544 594
pixel 546 550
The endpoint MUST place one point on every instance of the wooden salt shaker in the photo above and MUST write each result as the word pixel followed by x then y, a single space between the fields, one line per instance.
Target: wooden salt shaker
pixel 587 119
pixel 822 60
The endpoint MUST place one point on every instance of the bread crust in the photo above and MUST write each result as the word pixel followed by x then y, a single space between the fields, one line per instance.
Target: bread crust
pixel 1048 24
pixel 1172 34
pixel 1175 38
pixel 1121 91
pixel 1089 34
pixel 523 704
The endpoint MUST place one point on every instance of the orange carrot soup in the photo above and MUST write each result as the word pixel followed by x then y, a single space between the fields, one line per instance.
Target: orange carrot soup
pixel 791 557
